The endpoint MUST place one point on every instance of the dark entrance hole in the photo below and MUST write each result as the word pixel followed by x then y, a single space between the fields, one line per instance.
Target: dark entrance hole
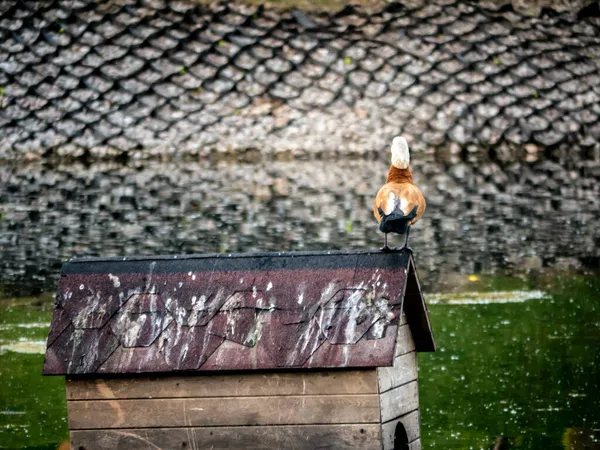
pixel 400 438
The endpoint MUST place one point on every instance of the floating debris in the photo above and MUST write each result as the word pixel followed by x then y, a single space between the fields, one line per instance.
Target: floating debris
pixel 481 298
pixel 24 325
pixel 24 346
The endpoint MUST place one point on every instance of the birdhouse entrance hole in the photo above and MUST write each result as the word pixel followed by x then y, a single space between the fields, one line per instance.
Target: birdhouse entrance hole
pixel 400 438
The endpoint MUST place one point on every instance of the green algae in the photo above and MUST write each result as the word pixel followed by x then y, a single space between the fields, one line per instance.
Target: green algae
pixel 528 372
pixel 32 407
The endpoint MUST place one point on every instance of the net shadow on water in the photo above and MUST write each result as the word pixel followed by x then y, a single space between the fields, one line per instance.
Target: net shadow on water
pixel 481 216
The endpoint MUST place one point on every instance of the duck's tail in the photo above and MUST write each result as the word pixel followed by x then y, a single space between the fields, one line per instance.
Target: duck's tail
pixel 396 221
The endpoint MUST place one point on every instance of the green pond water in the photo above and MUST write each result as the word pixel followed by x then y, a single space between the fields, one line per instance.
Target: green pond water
pixel 517 366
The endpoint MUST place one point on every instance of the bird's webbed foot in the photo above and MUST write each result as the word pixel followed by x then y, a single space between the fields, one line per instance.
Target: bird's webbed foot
pixel 404 248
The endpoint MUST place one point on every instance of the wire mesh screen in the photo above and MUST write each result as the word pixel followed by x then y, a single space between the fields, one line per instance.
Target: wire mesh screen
pixel 157 77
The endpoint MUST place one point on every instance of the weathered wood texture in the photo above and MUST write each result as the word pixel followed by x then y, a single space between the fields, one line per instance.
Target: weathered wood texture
pixel 296 410
pixel 399 401
pixel 309 437
pixel 416 311
pixel 404 342
pixel 403 371
pixel 398 388
pixel 416 445
pixel 222 411
pixel 225 385
pixel 411 424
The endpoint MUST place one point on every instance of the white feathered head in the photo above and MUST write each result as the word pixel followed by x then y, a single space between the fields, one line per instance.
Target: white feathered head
pixel 400 153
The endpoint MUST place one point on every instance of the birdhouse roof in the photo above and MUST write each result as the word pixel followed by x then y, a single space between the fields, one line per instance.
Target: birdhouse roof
pixel 234 312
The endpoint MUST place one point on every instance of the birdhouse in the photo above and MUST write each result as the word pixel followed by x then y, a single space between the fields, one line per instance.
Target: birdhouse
pixel 276 350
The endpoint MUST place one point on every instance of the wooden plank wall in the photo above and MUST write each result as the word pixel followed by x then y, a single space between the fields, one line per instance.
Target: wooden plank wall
pixel 398 392
pixel 295 410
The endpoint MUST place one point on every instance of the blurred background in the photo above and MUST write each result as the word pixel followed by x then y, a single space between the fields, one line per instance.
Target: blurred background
pixel 133 127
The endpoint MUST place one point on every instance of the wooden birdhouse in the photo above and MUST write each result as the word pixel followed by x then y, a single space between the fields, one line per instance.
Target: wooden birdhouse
pixel 269 351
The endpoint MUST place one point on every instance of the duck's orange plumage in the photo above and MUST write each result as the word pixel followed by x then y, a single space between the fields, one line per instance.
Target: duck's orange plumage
pixel 399 203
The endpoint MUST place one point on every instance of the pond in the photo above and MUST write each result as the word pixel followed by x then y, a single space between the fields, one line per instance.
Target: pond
pixel 507 254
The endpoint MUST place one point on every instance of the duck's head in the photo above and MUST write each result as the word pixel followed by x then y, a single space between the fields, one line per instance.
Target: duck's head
pixel 400 153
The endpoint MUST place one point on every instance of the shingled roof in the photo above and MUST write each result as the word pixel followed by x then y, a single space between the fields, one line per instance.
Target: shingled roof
pixel 233 312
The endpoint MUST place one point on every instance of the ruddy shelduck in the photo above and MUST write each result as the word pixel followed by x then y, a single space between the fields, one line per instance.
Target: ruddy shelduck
pixel 399 203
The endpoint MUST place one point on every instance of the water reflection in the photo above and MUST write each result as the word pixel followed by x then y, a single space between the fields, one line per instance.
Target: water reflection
pixel 481 216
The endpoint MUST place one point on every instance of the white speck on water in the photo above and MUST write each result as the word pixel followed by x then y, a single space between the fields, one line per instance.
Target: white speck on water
pixel 269 286
pixel 189 274
pixel 241 280
pixel 81 286
pixel 180 284
pixel 301 298
pixel 115 280
pixel 194 277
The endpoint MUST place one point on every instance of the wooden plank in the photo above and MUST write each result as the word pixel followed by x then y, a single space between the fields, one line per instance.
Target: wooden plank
pixel 416 311
pixel 196 412
pixel 307 437
pixel 399 401
pixel 416 445
pixel 402 319
pixel 225 385
pixel 403 371
pixel 404 342
pixel 411 424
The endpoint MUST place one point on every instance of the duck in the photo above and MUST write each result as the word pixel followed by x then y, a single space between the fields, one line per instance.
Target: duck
pixel 399 204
